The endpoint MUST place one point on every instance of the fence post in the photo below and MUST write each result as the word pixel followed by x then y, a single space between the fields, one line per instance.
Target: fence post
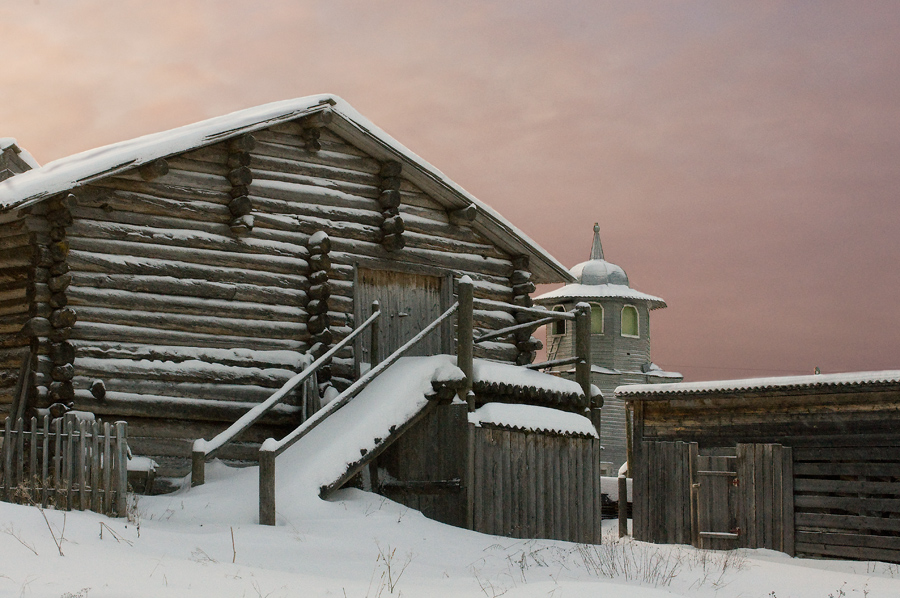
pixel 121 467
pixel 198 462
pixel 374 356
pixel 266 485
pixel 623 505
pixel 464 332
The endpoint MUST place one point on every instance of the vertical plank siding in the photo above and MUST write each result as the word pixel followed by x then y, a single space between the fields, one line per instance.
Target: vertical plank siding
pixel 534 485
pixel 61 464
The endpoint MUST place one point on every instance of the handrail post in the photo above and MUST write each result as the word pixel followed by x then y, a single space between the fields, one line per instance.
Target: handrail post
pixel 121 467
pixel 374 356
pixel 266 485
pixel 464 336
pixel 198 463
pixel 583 365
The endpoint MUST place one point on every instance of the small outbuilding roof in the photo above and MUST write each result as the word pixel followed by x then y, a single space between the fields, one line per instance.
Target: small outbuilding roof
pixel 70 172
pixel 598 279
pixel 849 379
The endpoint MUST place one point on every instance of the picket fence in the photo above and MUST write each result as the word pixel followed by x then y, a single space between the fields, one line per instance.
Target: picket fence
pixel 67 463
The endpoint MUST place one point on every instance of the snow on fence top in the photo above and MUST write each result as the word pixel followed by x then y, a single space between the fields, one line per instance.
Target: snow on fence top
pixel 503 373
pixel 67 173
pixel 651 391
pixel 533 419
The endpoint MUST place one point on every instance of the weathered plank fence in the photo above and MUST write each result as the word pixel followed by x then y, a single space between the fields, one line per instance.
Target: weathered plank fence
pixel 66 463
pixel 536 485
pixel 744 499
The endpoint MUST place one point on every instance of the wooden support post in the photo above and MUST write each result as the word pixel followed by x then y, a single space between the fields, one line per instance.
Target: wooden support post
pixel 464 332
pixel 198 463
pixel 121 467
pixel 374 356
pixel 623 506
pixel 266 486
pixel 470 473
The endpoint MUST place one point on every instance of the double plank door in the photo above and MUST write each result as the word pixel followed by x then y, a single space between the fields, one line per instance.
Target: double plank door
pixel 408 302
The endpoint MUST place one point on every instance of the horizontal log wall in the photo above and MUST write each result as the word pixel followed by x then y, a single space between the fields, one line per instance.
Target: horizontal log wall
pixel 187 279
pixel 19 262
pixel 336 189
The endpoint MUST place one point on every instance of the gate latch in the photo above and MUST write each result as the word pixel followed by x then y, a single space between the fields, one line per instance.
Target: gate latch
pixel 736 531
pixel 735 482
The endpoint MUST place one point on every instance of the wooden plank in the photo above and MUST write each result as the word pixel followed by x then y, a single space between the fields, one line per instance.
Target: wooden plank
pixel 855 540
pixel 694 480
pixel 531 486
pixel 787 518
pixel 573 490
pixel 45 463
pixel 848 552
pixel 830 486
pixel 677 494
pixel 509 495
pixel 838 522
pixel 542 488
pixel 768 494
pixel 883 505
pixel 96 494
pixel 777 497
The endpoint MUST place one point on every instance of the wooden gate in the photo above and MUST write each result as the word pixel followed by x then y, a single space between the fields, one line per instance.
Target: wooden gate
pixel 718 502
pixel 409 302
pixel 715 500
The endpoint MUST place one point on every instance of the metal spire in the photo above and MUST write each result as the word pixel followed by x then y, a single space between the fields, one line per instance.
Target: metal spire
pixel 596 248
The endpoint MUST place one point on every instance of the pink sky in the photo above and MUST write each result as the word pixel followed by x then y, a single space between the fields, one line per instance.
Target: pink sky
pixel 743 159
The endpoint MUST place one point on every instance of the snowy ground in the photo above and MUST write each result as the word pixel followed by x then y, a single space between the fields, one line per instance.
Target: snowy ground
pixel 205 542
pixel 360 545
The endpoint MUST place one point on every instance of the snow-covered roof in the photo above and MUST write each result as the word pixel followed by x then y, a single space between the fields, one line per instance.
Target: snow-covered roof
pixel 67 173
pixel 598 279
pixel 587 292
pixel 487 371
pixel 24 156
pixel 533 419
pixel 781 383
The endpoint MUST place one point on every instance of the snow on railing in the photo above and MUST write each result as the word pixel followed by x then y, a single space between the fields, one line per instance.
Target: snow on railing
pixel 204 450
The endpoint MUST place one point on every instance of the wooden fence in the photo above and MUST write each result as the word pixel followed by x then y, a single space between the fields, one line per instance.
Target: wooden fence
pixel 66 463
pixel 836 501
pixel 536 485
pixel 718 501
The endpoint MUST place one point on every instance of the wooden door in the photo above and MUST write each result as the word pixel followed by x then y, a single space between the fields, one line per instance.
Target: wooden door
pixel 718 502
pixel 409 303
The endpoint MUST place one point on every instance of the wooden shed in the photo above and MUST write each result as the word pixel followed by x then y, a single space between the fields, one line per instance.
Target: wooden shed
pixel 178 279
pixel 809 465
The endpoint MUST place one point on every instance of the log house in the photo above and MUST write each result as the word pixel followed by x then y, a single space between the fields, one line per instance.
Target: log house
pixel 177 279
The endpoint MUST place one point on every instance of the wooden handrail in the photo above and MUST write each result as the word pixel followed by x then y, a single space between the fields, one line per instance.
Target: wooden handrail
pixel 203 450
pixel 559 315
pixel 510 329
pixel 271 448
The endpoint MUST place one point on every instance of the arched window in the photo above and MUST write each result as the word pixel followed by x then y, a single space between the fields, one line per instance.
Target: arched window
pixel 630 325
pixel 558 327
pixel 596 318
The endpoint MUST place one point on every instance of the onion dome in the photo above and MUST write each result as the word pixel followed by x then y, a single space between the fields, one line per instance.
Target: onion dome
pixel 598 279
